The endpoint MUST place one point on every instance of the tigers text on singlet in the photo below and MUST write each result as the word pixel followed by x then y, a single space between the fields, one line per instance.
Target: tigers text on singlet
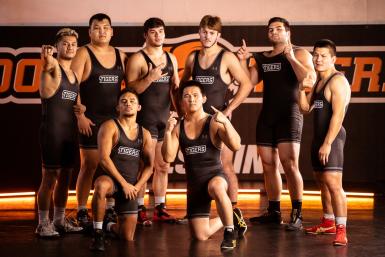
pixel 214 86
pixel 99 92
pixel 200 155
pixel 155 100
pixel 280 85
pixel 323 111
pixel 57 111
pixel 126 154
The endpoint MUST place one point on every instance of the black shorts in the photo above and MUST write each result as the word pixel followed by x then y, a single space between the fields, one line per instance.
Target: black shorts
pixel 122 204
pixel 86 142
pixel 59 147
pixel 284 129
pixel 156 127
pixel 336 156
pixel 198 198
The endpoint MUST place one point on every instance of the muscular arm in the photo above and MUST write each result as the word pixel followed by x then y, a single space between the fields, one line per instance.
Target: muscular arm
pixel 107 137
pixel 147 158
pixel 50 77
pixel 303 98
pixel 136 80
pixel 241 77
pixel 340 96
pixel 174 84
pixel 187 72
pixel 171 141
pixel 302 64
pixel 222 127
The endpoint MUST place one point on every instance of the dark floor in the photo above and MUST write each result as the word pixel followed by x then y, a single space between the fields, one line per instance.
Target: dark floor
pixel 366 234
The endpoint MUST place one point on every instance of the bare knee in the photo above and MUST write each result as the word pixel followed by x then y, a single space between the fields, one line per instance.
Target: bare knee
pixel 290 166
pixel 161 167
pixel 201 236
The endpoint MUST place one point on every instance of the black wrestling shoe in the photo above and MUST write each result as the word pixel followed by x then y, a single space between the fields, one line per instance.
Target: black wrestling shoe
pixel 269 217
pixel 229 239
pixel 97 243
pixel 239 222
pixel 295 220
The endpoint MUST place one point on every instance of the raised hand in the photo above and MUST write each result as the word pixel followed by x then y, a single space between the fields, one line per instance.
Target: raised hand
pixel 307 83
pixel 47 56
pixel 156 73
pixel 288 50
pixel 219 116
pixel 243 53
pixel 172 121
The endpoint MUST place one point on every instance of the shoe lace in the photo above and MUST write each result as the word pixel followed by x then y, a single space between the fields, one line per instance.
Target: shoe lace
pixel 240 220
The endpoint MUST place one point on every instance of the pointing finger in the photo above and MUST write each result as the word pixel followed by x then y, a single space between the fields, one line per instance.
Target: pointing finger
pixel 215 110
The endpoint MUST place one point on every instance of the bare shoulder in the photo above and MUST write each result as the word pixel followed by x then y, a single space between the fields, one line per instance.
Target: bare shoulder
pixel 173 57
pixel 146 135
pixel 301 52
pixel 108 125
pixel 339 82
pixel 136 57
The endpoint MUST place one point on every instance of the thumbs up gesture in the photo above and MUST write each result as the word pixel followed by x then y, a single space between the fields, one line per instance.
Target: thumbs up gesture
pixel 307 83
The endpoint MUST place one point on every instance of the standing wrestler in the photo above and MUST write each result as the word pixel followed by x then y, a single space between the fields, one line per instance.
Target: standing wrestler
pixel 215 68
pixel 100 70
pixel 200 137
pixel 153 74
pixel 328 100
pixel 58 137
pixel 123 146
pixel 279 126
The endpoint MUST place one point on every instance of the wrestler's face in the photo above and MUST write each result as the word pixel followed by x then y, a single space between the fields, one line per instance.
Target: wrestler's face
pixel 277 33
pixel 66 47
pixel 128 105
pixel 101 32
pixel 208 37
pixel 155 36
pixel 192 99
pixel 323 59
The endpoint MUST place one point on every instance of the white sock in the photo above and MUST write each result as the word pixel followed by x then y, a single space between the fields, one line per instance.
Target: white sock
pixel 58 215
pixel 98 224
pixel 110 203
pixel 43 216
pixel 82 207
pixel 341 221
pixel 329 216
pixel 229 227
pixel 159 200
pixel 140 201
pixel 109 224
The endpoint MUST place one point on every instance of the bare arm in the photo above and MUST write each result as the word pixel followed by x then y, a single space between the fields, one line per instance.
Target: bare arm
pixel 148 160
pixel 187 72
pixel 227 133
pixel 241 77
pixel 243 55
pixel 174 84
pixel 304 99
pixel 171 140
pixel 301 62
pixel 50 77
pixel 340 96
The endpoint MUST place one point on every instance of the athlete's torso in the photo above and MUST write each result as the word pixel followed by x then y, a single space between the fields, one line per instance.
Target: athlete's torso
pixel 200 154
pixel 212 82
pixel 126 154
pixel 57 111
pixel 99 92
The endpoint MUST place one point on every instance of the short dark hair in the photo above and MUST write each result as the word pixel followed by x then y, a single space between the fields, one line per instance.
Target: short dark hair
pixel 99 17
pixel 127 90
pixel 280 19
pixel 211 22
pixel 65 32
pixel 326 43
pixel 190 83
pixel 153 22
